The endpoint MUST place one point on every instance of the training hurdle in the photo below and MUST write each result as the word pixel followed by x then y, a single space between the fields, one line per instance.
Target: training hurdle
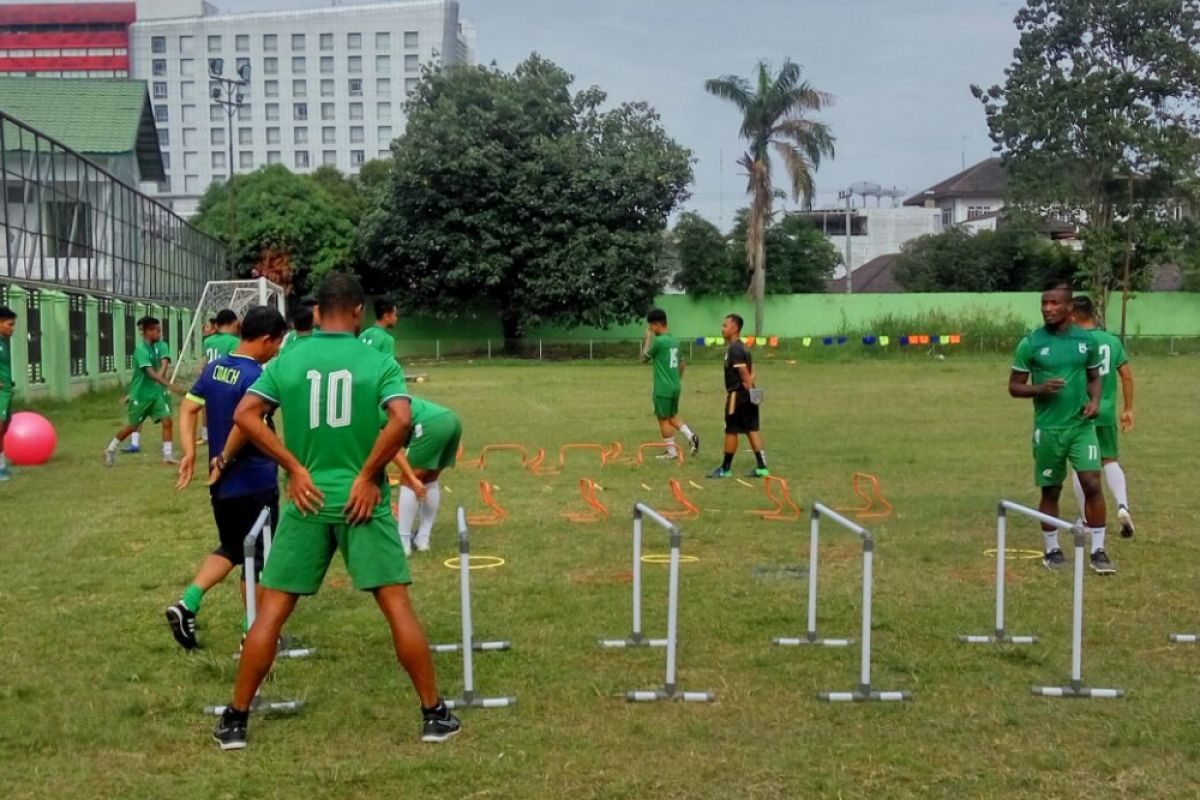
pixel 261 527
pixel 1001 636
pixel 505 447
pixel 868 509
pixel 536 464
pixel 785 509
pixel 496 515
pixel 468 645
pixel 687 509
pixel 642 448
pixel 670 689
pixel 599 512
pixel 864 692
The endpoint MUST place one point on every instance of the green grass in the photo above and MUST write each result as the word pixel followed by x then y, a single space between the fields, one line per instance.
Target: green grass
pixel 97 701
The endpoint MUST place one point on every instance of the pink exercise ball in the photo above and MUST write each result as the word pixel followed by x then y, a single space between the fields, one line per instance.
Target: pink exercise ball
pixel 30 439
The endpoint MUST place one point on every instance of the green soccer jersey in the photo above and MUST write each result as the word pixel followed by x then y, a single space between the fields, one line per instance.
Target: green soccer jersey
pixel 423 410
pixel 330 393
pixel 1068 356
pixel 143 388
pixel 219 344
pixel 379 339
pixel 664 355
pixel 6 376
pixel 162 352
pixel 1112 358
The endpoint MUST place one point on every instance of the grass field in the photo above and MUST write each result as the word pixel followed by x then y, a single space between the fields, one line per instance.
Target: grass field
pixel 98 701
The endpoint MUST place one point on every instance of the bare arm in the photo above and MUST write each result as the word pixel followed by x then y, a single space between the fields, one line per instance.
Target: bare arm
pixel 364 493
pixel 1127 390
pixel 249 419
pixel 747 376
pixel 1095 389
pixel 646 345
pixel 409 475
pixel 1020 387
pixel 233 445
pixel 189 414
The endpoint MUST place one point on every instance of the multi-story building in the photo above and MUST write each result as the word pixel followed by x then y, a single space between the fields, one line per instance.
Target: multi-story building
pixel 973 197
pixel 65 40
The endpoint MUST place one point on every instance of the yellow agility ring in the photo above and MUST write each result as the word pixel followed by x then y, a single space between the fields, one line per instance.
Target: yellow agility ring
pixel 1013 553
pixel 665 558
pixel 477 562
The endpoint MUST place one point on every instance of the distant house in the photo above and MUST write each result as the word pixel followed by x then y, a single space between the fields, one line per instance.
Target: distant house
pixel 874 232
pixel 874 277
pixel 972 197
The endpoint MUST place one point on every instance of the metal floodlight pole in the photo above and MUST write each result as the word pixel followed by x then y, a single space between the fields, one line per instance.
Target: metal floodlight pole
pixel 229 94
pixel 468 644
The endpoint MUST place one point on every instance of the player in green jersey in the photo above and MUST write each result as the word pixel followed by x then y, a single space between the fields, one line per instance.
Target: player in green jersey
pixel 329 392
pixel 379 336
pixel 661 349
pixel 302 324
pixel 1064 364
pixel 433 447
pixel 162 355
pixel 148 397
pixel 1113 363
pixel 8 323
pixel 221 342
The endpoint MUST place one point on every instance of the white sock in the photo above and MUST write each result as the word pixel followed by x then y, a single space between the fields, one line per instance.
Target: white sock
pixel 429 510
pixel 1115 477
pixel 135 439
pixel 1051 540
pixel 168 449
pixel 3 461
pixel 1080 500
pixel 1097 539
pixel 670 443
pixel 407 516
pixel 115 443
pixel 686 431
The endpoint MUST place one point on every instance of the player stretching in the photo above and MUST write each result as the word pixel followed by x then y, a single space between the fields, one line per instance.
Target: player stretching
pixel 330 392
pixel 741 410
pixel 8 323
pixel 246 479
pixel 1064 363
pixel 436 433
pixel 1113 362
pixel 379 336
pixel 302 324
pixel 147 392
pixel 662 349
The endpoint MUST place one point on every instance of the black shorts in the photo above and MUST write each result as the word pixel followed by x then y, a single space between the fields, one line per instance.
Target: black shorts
pixel 235 516
pixel 741 416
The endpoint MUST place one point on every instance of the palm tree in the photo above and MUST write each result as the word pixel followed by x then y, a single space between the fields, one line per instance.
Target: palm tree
pixel 774 117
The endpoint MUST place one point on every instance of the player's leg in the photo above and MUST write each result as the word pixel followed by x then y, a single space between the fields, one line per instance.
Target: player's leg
pixel 1050 469
pixel 5 415
pixel 162 413
pixel 436 449
pixel 429 507
pixel 760 453
pixel 750 421
pixel 666 430
pixel 135 442
pixel 1084 455
pixel 1114 475
pixel 134 415
pixel 678 424
pixel 733 427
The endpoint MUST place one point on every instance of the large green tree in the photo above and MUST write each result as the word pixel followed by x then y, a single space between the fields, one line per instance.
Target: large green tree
pixel 290 228
pixel 704 264
pixel 510 190
pixel 776 117
pixel 1098 114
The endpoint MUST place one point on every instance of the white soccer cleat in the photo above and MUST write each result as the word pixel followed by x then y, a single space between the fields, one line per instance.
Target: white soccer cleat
pixel 1126 520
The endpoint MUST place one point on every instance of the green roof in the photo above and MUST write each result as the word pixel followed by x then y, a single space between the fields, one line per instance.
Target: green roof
pixel 93 116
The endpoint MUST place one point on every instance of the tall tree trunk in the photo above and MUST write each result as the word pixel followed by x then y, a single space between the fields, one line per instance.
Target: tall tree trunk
pixel 760 284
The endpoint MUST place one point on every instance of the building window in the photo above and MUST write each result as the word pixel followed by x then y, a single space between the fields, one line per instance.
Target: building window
pixel 947 216
pixel 158 44
pixel 214 44
pixel 354 65
pixel 329 157
pixel 188 115
pixel 246 160
pixel 302 159
pixel 354 41
pixel 270 42
pixel 412 63
pixel 327 87
pixel 274 157
pixel 242 62
pixel 356 111
pixel 298 42
pixel 300 135
pixel 383 111
pixel 241 43
pixel 218 159
pixel 329 135
pixel 245 136
pixel 975 212
pixel 272 112
pixel 160 90
pixel 299 88
pixel 299 64
pixel 190 138
pixel 187 90
pixel 187 45
pixel 357 158
pixel 356 87
pixel 327 111
pixel 410 84
pixel 271 88
pixel 158 67
pixel 356 134
pixel 191 184
pixel 164 186
pixel 216 136
pixel 326 65
pixel 68 229
pixel 385 134
pixel 270 66
pixel 166 161
pixel 383 86
pixel 383 64
pixel 216 113
pixel 326 41
pixel 383 40
pixel 385 154
pixel 272 135
pixel 190 161
pixel 411 40
pixel 245 112
pixel 161 114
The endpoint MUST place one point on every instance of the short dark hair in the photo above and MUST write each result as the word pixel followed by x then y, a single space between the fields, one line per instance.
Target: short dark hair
pixel 7 313
pixel 339 292
pixel 737 320
pixel 1084 306
pixel 303 320
pixel 263 321
pixel 383 306
pixel 212 320
pixel 1057 285
pixel 656 315
pixel 148 322
pixel 225 316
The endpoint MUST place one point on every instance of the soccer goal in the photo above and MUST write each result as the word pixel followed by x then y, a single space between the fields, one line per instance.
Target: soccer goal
pixel 238 296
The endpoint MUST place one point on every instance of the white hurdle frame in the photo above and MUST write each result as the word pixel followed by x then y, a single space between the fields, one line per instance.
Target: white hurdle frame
pixel 864 692
pixel 670 689
pixel 468 645
pixel 261 527
pixel 1075 687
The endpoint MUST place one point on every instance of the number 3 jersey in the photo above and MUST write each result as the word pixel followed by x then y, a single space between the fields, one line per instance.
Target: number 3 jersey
pixel 329 393
pixel 1068 356
pixel 1112 358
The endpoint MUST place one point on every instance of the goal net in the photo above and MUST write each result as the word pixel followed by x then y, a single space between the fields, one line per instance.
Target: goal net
pixel 239 297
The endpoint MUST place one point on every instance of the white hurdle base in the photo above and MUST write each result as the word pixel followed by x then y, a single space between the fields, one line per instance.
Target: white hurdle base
pixel 476 646
pixel 1077 691
pixel 817 641
pixel 474 701
pixel 865 695
pixel 635 640
pixel 999 637
pixel 651 695
pixel 260 706
pixel 1185 638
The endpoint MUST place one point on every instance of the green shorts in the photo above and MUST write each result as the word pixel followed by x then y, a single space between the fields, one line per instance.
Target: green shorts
pixel 1054 449
pixel 304 546
pixel 141 410
pixel 5 405
pixel 666 406
pixel 1107 436
pixel 434 443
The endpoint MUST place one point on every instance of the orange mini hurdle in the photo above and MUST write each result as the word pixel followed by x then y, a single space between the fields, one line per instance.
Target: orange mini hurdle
pixel 496 514
pixel 687 510
pixel 642 448
pixel 874 505
pixel 785 509
pixel 598 513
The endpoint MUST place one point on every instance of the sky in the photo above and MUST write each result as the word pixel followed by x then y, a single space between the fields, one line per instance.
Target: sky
pixel 900 72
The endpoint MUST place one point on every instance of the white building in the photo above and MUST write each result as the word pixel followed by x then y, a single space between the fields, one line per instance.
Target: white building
pixel 972 197
pixel 874 232
pixel 327 86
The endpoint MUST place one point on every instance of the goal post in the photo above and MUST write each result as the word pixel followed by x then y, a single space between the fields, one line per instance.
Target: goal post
pixel 239 297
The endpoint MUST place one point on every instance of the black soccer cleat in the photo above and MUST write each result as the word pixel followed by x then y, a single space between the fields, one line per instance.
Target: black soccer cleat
pixel 183 625
pixel 1054 560
pixel 230 732
pixel 695 444
pixel 439 727
pixel 1101 565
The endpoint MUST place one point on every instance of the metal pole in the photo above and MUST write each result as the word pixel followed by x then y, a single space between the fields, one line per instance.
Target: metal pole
pixel 637 575
pixel 589 349
pixel 1001 547
pixel 849 268
pixel 464 569
pixel 1077 615
pixel 489 345
pixel 814 540
pixel 437 349
pixel 868 576
pixel 539 349
pixel 672 612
